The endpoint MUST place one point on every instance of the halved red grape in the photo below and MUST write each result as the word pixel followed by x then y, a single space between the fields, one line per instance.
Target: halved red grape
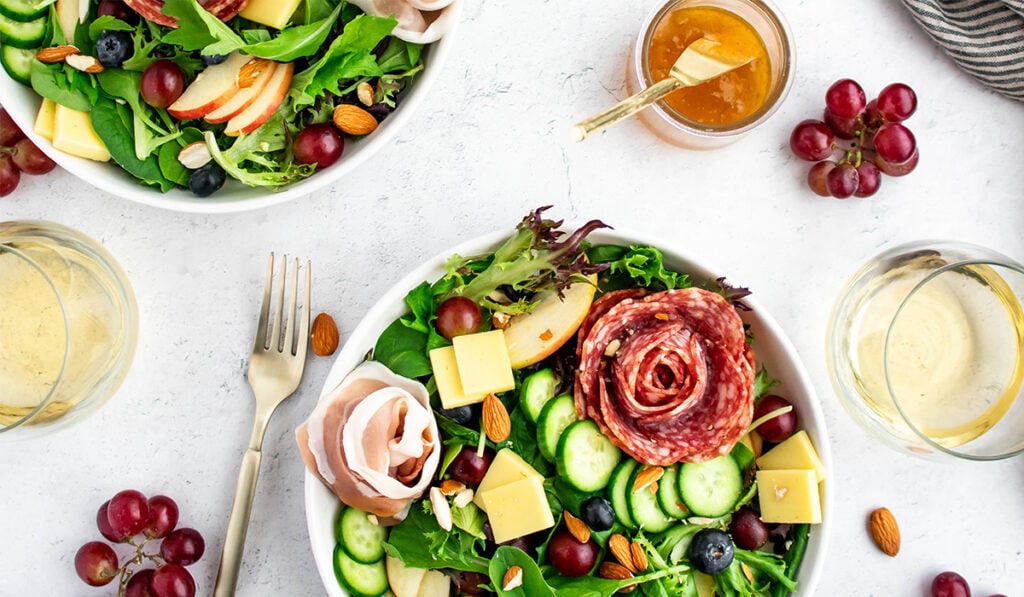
pixel 894 143
pixel 747 529
pixel 172 580
pixel 162 83
pixel 163 517
pixel 817 177
pixel 96 563
pixel 30 159
pixel 128 512
pixel 845 98
pixel 9 131
pixel 897 102
pixel 869 178
pixel 319 144
pixel 10 176
pixel 140 584
pixel 184 546
pixel 812 140
pixel 897 169
pixel 950 584
pixel 571 557
pixel 458 316
pixel 777 428
pixel 842 181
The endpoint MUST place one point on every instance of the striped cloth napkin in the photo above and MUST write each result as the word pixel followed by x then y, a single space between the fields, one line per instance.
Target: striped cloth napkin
pixel 984 37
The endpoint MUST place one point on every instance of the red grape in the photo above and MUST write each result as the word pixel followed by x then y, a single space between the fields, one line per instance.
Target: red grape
pixel 817 177
pixel 140 584
pixel 468 467
pixel 950 584
pixel 897 102
pixel 458 316
pixel 319 144
pixel 163 517
pixel 96 563
pixel 162 83
pixel 570 556
pixel 869 178
pixel 9 175
pixel 103 523
pixel 172 580
pixel 777 428
pixel 844 128
pixel 894 143
pixel 9 131
pixel 747 529
pixel 842 181
pixel 118 10
pixel 183 546
pixel 845 98
pixel 812 140
pixel 128 512
pixel 872 118
pixel 897 169
pixel 30 159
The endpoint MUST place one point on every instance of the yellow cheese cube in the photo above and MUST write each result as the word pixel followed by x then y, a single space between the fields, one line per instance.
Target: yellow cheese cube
pixel 517 509
pixel 73 133
pixel 797 452
pixel 507 467
pixel 446 376
pixel 44 119
pixel 484 366
pixel 272 13
pixel 789 496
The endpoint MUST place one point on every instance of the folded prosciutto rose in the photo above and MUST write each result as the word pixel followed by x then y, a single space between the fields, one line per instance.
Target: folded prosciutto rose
pixel 373 441
pixel 419 21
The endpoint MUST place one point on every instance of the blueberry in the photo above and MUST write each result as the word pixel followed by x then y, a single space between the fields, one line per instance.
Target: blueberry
pixel 598 513
pixel 215 59
pixel 711 551
pixel 206 180
pixel 113 48
pixel 463 415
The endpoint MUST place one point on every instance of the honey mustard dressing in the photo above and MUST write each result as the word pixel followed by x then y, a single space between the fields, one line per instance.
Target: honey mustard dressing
pixel 725 99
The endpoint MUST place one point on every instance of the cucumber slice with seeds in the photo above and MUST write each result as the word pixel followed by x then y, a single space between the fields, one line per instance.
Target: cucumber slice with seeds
pixel 668 493
pixel 538 389
pixel 24 10
pixel 18 63
pixel 618 485
pixel 554 418
pixel 362 539
pixel 20 34
pixel 711 488
pixel 644 508
pixel 585 457
pixel 361 580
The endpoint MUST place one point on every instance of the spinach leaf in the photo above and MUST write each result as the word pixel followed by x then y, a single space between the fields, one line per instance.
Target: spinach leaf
pixel 255 36
pixel 112 124
pixel 52 83
pixel 402 349
pixel 421 303
pixel 314 10
pixel 456 434
pixel 533 585
pixel 296 42
pixel 199 30
pixel 148 136
pixel 421 543
pixel 170 167
pixel 471 519
pixel 107 23
pixel 523 441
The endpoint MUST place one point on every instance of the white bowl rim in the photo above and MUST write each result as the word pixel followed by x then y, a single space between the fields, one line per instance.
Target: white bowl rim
pixel 122 185
pixel 392 305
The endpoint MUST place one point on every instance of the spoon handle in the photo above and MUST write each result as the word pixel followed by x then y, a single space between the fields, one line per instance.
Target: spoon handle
pixel 627 107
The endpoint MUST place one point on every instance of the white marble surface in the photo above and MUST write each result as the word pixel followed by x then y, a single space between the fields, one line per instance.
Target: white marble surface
pixel 487 146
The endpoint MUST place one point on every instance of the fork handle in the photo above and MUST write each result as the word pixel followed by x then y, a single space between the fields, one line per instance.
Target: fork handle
pixel 624 109
pixel 238 524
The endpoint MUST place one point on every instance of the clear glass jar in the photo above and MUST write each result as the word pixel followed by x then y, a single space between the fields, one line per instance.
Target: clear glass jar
pixel 68 327
pixel 671 126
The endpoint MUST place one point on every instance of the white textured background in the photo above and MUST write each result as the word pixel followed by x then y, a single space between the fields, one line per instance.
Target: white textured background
pixel 487 146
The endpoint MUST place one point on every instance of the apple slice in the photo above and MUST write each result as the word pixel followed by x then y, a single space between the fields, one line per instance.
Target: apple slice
pixel 245 96
pixel 265 105
pixel 435 584
pixel 404 581
pixel 212 88
pixel 68 15
pixel 532 337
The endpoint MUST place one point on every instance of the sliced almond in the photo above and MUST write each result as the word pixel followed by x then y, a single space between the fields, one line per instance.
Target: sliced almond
pixel 450 487
pixel 353 120
pixel 576 527
pixel 86 64
pixel 612 348
pixel 613 571
pixel 497 424
pixel 463 497
pixel 639 557
pixel 513 578
pixel 195 155
pixel 499 320
pixel 442 511
pixel 251 71
pixel 647 476
pixel 364 91
pixel 747 572
pixel 56 54
pixel 618 544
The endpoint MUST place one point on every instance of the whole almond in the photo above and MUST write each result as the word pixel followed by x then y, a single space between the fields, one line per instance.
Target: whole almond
pixel 56 54
pixel 576 527
pixel 619 546
pixel 353 120
pixel 885 531
pixel 497 424
pixel 513 578
pixel 639 556
pixel 613 571
pixel 323 338
pixel 647 476
pixel 450 487
pixel 86 64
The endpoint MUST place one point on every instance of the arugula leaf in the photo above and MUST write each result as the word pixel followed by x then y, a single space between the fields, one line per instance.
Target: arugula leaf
pixel 296 42
pixel 421 543
pixel 52 83
pixel 471 519
pixel 314 10
pixel 635 266
pixel 199 30
pixel 763 382
pixel 112 124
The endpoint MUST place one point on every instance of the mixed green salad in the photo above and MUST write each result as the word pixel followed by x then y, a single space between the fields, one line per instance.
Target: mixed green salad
pixel 129 73
pixel 693 529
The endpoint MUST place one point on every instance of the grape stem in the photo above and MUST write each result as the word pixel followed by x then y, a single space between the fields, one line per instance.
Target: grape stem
pixel 126 570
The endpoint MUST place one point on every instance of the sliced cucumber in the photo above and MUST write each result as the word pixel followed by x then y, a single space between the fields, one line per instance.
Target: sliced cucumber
pixel 668 493
pixel 28 34
pixel 362 539
pixel 554 418
pixel 18 63
pixel 618 485
pixel 362 580
pixel 644 508
pixel 24 10
pixel 585 457
pixel 711 488
pixel 538 389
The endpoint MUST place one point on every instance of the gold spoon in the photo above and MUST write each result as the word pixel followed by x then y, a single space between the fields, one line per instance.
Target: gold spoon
pixel 701 61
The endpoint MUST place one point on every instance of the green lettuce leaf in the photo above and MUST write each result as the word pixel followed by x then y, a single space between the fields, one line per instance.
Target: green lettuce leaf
pixel 199 30
pixel 296 42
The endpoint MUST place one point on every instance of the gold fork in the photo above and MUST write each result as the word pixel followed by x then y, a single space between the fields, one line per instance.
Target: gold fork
pixel 275 370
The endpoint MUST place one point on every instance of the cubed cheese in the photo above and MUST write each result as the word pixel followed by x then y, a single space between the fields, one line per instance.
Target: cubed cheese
pixel 272 13
pixel 73 133
pixel 446 376
pixel 789 496
pixel 517 509
pixel 483 363
pixel 507 467
pixel 797 452
pixel 44 119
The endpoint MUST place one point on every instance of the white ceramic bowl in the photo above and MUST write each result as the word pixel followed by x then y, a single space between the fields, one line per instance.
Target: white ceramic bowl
pixel 22 103
pixel 772 348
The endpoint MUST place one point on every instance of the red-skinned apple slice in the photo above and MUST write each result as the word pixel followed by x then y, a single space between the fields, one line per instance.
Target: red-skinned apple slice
pixel 212 88
pixel 152 10
pixel 244 98
pixel 265 105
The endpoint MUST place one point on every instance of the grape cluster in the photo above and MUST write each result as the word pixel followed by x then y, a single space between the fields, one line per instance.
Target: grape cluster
pixel 951 584
pixel 123 519
pixel 18 154
pixel 869 138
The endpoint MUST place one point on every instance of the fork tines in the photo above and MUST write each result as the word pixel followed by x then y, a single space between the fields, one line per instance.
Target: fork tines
pixel 275 338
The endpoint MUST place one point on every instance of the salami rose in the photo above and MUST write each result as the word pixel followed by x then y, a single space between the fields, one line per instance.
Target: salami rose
pixel 668 376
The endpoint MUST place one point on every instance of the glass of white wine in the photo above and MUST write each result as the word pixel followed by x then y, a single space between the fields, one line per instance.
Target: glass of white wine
pixel 68 327
pixel 926 350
